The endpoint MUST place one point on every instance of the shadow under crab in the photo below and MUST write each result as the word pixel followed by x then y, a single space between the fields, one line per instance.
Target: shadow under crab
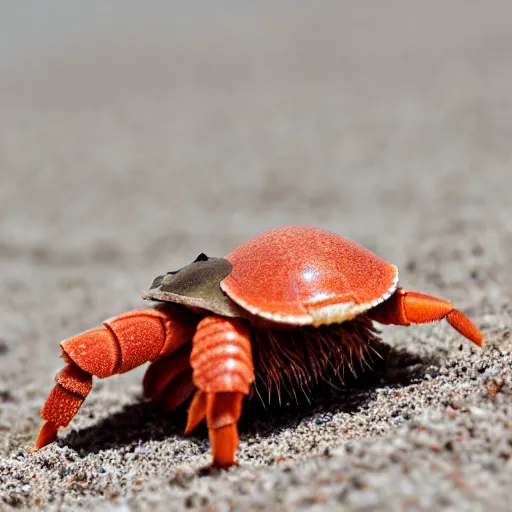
pixel 348 390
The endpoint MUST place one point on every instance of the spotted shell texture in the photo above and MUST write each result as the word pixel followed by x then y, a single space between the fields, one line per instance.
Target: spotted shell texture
pixel 307 276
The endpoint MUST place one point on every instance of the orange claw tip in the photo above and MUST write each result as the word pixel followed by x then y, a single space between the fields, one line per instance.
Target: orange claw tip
pixel 465 326
pixel 47 435
pixel 196 412
pixel 477 339
pixel 224 442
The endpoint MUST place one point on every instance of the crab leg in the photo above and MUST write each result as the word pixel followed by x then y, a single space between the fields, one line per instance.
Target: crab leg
pixel 176 393
pixel 406 307
pixel 162 372
pixel 223 372
pixel 63 402
pixel 125 341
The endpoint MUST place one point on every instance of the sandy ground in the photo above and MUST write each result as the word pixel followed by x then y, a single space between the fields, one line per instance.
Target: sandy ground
pixel 129 146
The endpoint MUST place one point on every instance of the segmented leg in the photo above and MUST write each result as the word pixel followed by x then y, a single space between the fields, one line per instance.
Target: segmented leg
pixel 125 341
pixel 168 381
pixel 405 308
pixel 223 372
pixel 176 393
pixel 63 402
pixel 162 372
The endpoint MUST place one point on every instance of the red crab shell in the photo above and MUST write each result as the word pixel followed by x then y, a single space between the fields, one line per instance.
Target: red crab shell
pixel 307 276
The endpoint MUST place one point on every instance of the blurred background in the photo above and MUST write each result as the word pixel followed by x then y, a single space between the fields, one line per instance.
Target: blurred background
pixel 151 132
pixel 133 137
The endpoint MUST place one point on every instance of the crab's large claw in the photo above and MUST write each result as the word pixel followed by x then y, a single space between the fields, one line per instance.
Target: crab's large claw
pixel 223 372
pixel 125 342
pixel 405 308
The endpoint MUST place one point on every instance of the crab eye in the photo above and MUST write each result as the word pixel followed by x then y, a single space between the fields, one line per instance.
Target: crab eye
pixel 201 257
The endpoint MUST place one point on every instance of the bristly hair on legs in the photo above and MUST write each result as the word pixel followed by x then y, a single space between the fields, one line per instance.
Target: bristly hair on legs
pixel 299 358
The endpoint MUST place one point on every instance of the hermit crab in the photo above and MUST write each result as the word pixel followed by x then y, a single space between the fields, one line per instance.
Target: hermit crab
pixel 287 306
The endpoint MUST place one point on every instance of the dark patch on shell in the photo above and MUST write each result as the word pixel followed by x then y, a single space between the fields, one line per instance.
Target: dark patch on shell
pixel 197 286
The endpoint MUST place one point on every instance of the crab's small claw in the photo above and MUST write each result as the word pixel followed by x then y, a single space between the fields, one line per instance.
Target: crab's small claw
pixel 406 307
pixel 223 372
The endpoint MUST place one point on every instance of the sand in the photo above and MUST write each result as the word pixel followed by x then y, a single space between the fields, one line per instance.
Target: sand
pixel 131 143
